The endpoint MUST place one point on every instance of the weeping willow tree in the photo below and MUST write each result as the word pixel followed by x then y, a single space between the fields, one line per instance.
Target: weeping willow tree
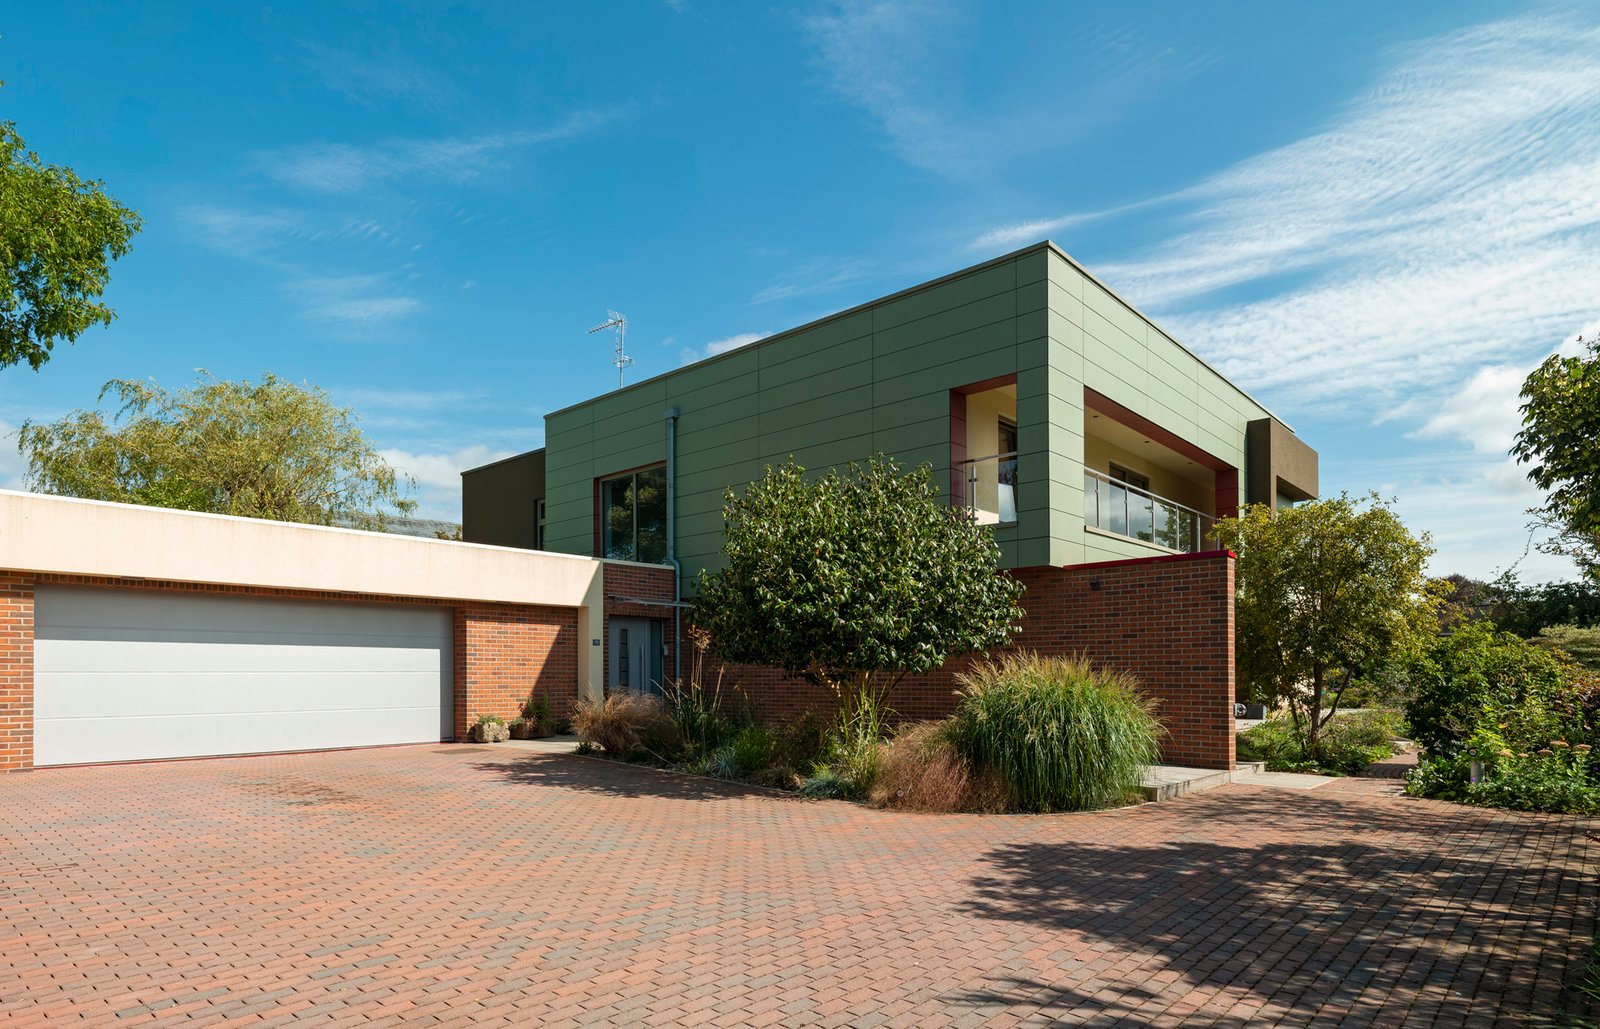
pixel 269 449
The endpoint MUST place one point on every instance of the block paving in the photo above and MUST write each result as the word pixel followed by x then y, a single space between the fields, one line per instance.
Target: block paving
pixel 454 884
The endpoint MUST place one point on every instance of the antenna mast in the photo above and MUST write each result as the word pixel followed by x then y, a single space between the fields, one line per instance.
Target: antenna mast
pixel 620 323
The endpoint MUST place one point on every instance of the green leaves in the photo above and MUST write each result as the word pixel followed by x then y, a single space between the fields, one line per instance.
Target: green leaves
pixel 262 450
pixel 58 237
pixel 845 576
pixel 1560 437
pixel 1326 591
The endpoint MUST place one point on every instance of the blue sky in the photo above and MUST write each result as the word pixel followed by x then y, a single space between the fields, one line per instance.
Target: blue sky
pixel 1375 216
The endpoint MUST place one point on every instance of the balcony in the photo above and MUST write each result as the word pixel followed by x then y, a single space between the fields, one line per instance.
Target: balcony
pixel 991 488
pixel 1126 510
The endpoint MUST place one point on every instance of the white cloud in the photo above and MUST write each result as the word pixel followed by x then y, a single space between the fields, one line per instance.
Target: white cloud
pixel 369 78
pixel 438 476
pixel 409 399
pixel 901 62
pixel 356 302
pixel 1446 220
pixel 720 346
pixel 348 168
pixel 823 275
pixel 1483 412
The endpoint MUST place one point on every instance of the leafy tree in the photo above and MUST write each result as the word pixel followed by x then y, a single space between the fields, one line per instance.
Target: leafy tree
pixel 1326 592
pixel 263 450
pixel 1526 610
pixel 58 236
pixel 1560 437
pixel 853 581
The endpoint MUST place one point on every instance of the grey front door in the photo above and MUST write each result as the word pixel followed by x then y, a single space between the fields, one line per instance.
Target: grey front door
pixel 635 656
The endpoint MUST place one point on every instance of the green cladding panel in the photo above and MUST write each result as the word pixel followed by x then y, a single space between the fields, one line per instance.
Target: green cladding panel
pixel 878 378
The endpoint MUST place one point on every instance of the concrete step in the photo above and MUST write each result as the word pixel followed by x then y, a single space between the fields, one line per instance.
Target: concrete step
pixel 1164 782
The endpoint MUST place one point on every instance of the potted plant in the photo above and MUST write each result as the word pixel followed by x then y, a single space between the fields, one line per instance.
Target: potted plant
pixel 536 717
pixel 489 729
pixel 521 729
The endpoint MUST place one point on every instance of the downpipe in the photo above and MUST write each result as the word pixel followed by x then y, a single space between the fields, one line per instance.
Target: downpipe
pixel 672 543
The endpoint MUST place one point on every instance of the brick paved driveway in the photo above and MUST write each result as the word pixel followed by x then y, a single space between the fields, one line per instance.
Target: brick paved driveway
pixel 482 884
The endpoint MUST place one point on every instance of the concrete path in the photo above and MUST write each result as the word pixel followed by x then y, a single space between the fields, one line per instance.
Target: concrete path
pixel 500 885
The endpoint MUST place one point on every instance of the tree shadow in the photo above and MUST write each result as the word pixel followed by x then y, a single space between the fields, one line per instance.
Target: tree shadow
pixel 1376 912
pixel 620 779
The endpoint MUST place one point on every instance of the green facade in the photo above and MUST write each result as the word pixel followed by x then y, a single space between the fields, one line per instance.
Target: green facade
pixel 878 378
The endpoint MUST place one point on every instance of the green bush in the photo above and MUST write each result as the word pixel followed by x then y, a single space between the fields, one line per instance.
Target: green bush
pixel 1477 675
pixel 1348 744
pixel 1555 778
pixel 801 743
pixel 826 784
pixel 753 749
pixel 1061 734
pixel 1581 646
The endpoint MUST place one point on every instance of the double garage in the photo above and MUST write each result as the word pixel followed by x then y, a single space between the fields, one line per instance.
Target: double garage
pixel 133 633
pixel 127 675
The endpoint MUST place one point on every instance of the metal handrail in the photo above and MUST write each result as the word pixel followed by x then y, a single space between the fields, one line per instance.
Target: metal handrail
pixel 1103 477
pixel 1008 455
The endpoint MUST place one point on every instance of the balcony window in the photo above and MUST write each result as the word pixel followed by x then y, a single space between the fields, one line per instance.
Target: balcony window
pixel 633 516
pixel 1118 505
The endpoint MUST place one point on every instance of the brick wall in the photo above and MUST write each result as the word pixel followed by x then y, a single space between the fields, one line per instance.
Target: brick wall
pixel 16 671
pixel 1166 620
pixel 505 653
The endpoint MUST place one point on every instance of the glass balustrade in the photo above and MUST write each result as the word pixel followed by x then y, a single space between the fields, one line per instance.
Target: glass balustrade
pixel 991 488
pixel 1126 510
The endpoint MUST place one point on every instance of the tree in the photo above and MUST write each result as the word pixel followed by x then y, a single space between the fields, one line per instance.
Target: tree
pixel 1560 437
pixel 263 450
pixel 853 581
pixel 58 236
pixel 1326 592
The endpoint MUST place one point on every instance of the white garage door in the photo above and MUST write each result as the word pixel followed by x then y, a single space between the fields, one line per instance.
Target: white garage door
pixel 126 675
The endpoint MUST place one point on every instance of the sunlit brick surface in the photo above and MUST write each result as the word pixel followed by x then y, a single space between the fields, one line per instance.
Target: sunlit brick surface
pixel 466 884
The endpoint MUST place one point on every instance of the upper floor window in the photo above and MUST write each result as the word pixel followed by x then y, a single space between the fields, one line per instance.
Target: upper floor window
pixel 633 516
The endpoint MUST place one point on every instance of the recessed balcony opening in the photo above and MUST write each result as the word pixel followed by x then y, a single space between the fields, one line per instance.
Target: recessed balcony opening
pixel 1143 483
pixel 984 451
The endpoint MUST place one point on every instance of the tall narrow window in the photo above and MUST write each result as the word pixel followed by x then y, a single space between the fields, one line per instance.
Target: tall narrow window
pixel 633 516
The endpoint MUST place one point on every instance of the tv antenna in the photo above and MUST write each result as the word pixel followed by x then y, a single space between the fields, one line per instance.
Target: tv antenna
pixel 620 323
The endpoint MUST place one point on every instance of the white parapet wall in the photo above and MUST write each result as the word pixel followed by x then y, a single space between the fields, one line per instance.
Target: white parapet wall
pixel 65 536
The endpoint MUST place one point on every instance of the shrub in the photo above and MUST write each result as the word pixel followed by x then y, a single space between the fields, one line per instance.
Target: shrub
pixel 1348 743
pixel 1061 734
pixel 628 726
pixel 921 770
pixel 825 784
pixel 753 749
pixel 1554 778
pixel 1581 646
pixel 1476 676
pixel 802 742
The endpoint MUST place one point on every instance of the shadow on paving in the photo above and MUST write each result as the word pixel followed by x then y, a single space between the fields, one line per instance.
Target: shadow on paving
pixel 1455 912
pixel 618 779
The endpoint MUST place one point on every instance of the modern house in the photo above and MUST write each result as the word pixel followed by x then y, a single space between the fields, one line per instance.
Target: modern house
pixel 1057 411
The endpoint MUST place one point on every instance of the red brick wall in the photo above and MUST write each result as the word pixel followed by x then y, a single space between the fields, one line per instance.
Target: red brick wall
pixel 505 653
pixel 1166 620
pixel 502 651
pixel 16 671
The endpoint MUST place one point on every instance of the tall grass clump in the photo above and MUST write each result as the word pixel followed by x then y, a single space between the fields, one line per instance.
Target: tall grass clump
pixel 1061 734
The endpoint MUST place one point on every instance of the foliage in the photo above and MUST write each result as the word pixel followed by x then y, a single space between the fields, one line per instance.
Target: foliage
pixel 1349 743
pixel 851 581
pixel 921 770
pixel 703 722
pixel 262 450
pixel 490 720
pixel 628 727
pixel 1386 686
pixel 1061 734
pixel 1560 438
pixel 1553 778
pixel 1519 608
pixel 826 784
pixel 802 742
pixel 58 236
pixel 753 749
pixel 1581 646
pixel 1328 592
pixel 536 710
pixel 1477 677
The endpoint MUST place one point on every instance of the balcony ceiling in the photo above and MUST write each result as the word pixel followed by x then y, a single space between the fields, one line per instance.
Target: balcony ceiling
pixel 1132 440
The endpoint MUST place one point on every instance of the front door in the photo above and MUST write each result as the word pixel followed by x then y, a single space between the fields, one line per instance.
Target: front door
pixel 635 656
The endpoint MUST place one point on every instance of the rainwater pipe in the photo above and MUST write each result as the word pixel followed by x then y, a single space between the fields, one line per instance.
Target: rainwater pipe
pixel 672 543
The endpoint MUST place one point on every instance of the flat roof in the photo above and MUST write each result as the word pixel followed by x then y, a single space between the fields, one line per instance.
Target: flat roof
pixel 1042 245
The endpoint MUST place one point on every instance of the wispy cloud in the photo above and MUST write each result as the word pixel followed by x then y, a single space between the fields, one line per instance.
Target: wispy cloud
pixel 349 167
pixel 438 475
pixel 373 77
pixel 690 355
pixel 823 275
pixel 12 465
pixel 900 62
pixel 354 301
pixel 1447 219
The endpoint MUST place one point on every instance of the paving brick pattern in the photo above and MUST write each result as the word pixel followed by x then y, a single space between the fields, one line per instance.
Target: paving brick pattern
pixel 478 885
